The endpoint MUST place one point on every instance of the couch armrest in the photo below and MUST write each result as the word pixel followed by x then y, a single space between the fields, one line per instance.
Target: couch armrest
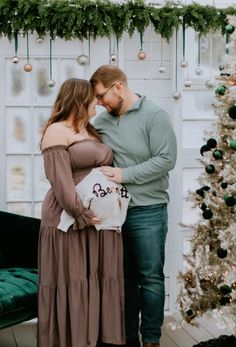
pixel 18 240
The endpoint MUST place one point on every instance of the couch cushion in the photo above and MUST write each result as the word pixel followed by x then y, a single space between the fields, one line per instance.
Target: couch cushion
pixel 18 295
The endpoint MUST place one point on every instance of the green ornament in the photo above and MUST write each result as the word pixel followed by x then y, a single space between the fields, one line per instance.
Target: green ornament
pixel 229 28
pixel 225 289
pixel 207 213
pixel 229 200
pixel 232 111
pixel 212 143
pixel 218 154
pixel 233 144
pixel 210 169
pixel 220 90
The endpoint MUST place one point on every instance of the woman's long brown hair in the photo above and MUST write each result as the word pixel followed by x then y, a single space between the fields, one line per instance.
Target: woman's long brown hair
pixel 74 97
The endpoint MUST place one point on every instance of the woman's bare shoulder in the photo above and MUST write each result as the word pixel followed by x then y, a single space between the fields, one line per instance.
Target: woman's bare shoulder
pixel 56 134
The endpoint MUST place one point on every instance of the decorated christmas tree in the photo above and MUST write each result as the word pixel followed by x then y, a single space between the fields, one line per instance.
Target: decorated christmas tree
pixel 208 282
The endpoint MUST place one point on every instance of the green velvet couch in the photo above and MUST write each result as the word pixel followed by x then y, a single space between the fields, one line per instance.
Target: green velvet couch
pixel 18 268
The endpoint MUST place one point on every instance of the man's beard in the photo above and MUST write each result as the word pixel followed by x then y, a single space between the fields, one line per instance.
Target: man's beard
pixel 115 111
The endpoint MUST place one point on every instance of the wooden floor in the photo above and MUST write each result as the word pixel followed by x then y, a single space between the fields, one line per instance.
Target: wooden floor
pixel 174 334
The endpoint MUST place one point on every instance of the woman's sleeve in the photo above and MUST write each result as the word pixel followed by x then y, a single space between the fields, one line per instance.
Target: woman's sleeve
pixel 58 171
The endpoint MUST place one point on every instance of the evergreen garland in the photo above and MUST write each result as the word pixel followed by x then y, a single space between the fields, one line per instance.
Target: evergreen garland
pixel 81 19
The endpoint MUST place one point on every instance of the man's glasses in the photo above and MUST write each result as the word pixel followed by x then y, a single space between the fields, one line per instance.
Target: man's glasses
pixel 99 97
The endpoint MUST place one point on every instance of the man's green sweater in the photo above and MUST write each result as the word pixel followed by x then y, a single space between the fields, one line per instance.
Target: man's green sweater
pixel 144 146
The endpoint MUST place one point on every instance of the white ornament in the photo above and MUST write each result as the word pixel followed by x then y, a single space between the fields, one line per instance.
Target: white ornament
pixel 39 39
pixel 113 59
pixel 15 59
pixel 198 71
pixel 210 84
pixel 176 95
pixel 51 83
pixel 162 69
pixel 187 83
pixel 83 59
pixel 184 63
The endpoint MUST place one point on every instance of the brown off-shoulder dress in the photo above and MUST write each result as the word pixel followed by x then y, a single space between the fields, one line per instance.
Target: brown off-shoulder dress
pixel 81 283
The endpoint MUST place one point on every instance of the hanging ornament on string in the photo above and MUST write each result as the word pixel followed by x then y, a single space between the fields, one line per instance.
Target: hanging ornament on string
pixel 27 67
pixel 176 94
pixel 199 70
pixel 114 53
pixel 183 62
pixel 39 39
pixel 210 83
pixel 82 59
pixel 162 68
pixel 51 82
pixel 187 82
pixel 15 59
pixel 229 29
pixel 141 55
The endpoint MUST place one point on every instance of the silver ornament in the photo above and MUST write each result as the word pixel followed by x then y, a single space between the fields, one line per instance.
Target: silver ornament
pixel 210 84
pixel 176 95
pixel 187 83
pixel 39 39
pixel 113 58
pixel 15 59
pixel 198 71
pixel 162 69
pixel 221 67
pixel 184 63
pixel 83 59
pixel 51 83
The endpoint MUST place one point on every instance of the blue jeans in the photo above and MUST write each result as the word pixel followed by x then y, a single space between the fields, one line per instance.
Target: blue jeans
pixel 144 235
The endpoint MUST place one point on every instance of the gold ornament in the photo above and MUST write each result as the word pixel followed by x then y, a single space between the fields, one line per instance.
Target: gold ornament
pixel 141 55
pixel 28 67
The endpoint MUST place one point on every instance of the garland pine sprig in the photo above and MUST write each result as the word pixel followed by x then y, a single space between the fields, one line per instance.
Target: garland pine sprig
pixel 69 19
